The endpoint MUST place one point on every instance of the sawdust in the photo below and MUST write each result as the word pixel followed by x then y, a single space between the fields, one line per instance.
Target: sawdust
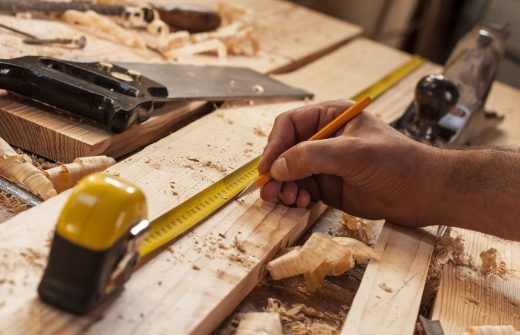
pixel 259 132
pixel 357 228
pixel 491 263
pixel 11 203
pixel 449 248
pixel 386 288
pixel 299 319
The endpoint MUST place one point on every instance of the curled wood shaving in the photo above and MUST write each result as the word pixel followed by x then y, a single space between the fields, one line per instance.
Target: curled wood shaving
pixel 103 27
pixel 66 176
pixel 357 228
pixel 491 330
pixel 19 169
pixel 319 257
pixel 260 324
pixel 236 36
pixel 489 261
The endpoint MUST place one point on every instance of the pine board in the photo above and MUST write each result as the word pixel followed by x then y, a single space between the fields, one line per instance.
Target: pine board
pixel 402 269
pixel 285 36
pixel 468 298
pixel 168 294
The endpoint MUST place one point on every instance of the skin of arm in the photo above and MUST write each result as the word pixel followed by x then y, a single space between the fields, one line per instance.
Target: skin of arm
pixel 370 170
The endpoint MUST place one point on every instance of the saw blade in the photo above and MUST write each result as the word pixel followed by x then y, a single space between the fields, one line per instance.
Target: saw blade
pixel 214 83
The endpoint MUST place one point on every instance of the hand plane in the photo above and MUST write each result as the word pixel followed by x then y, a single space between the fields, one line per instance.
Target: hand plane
pixel 449 108
pixel 118 95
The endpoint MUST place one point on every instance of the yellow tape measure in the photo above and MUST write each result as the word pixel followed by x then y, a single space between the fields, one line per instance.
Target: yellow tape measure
pixel 183 217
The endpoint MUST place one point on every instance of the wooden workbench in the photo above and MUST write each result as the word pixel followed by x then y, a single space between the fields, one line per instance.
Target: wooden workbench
pixel 196 284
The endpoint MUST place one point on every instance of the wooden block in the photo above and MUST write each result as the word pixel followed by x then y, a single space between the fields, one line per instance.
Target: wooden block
pixel 467 298
pixel 60 138
pixel 195 285
pixel 388 298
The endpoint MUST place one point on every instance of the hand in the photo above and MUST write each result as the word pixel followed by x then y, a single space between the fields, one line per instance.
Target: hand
pixel 367 169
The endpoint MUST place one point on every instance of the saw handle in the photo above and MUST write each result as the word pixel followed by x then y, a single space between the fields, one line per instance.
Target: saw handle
pixel 192 18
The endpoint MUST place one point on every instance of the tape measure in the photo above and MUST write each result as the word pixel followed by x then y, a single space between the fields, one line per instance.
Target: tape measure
pixel 183 217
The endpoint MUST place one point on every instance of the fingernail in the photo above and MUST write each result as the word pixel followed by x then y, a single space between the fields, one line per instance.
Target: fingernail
pixel 279 168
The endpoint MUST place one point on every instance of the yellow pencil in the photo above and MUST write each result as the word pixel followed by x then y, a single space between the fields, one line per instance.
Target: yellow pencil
pixel 324 132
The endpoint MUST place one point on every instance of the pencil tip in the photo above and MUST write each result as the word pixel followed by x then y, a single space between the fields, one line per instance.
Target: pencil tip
pixel 248 190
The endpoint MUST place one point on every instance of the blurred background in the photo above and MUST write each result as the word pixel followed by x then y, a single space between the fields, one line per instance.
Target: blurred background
pixel 430 28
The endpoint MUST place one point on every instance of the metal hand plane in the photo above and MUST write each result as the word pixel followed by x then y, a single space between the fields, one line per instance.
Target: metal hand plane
pixel 449 108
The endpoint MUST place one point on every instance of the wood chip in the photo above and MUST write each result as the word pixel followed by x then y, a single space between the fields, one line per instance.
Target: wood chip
pixel 320 256
pixel 260 324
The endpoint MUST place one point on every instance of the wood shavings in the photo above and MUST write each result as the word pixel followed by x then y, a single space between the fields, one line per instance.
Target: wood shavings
pixel 489 261
pixel 386 288
pixel 259 132
pixel 11 203
pixel 299 319
pixel 260 324
pixel 319 257
pixel 66 176
pixel 103 27
pixel 357 228
pixel 236 36
pixel 19 169
pixel 213 46
pixel 491 330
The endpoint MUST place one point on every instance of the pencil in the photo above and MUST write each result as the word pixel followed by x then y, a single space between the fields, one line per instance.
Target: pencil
pixel 324 132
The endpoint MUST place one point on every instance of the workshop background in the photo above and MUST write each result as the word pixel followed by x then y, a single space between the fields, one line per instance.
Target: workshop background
pixel 430 28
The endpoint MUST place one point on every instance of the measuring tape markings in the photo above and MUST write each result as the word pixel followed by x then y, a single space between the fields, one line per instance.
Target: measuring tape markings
pixel 200 206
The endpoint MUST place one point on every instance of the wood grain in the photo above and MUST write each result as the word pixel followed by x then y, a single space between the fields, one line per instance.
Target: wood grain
pixel 388 298
pixel 468 298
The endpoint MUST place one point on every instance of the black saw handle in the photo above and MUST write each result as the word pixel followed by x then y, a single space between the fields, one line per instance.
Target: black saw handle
pixel 103 92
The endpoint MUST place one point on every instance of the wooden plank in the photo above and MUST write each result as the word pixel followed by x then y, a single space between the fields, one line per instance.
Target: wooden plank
pixel 402 269
pixel 286 38
pixel 334 77
pixel 467 297
pixel 169 293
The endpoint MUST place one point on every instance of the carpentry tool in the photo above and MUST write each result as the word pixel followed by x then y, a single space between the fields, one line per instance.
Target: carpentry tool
pixel 324 132
pixel 449 108
pixel 181 17
pixel 79 42
pixel 431 327
pixel 119 95
pixel 76 240
pixel 19 192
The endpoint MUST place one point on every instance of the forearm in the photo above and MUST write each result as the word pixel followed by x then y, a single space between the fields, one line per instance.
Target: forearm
pixel 472 189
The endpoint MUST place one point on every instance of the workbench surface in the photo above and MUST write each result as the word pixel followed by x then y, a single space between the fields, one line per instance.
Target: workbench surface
pixel 189 285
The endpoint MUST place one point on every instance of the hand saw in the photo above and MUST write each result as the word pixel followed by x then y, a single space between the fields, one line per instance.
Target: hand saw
pixel 118 95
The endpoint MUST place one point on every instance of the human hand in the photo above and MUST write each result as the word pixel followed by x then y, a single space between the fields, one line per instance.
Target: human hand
pixel 367 168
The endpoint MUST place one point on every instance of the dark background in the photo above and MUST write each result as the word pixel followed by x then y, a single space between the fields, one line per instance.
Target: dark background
pixel 430 28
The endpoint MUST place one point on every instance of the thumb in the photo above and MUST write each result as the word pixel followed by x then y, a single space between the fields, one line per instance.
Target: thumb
pixel 311 157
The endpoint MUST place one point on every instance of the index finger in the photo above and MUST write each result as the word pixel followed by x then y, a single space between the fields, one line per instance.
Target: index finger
pixel 298 125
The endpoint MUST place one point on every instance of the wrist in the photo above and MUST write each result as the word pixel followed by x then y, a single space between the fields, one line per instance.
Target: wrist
pixel 426 203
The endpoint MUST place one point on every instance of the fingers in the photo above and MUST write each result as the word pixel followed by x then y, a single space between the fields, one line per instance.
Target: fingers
pixel 298 125
pixel 329 156
pixel 289 193
pixel 271 190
